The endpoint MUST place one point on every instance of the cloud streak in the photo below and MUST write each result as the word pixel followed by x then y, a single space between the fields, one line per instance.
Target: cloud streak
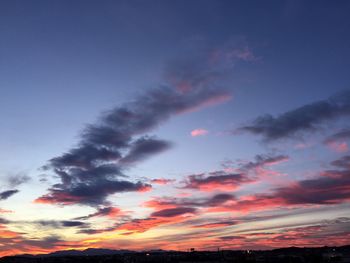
pixel 338 141
pixel 216 181
pixel 231 179
pixel 94 169
pixel 6 194
pixel 306 118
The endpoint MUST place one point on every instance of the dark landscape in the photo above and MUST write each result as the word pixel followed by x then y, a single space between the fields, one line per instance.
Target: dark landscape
pixel 282 255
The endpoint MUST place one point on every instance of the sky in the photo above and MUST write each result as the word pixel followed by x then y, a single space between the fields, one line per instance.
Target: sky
pixel 174 124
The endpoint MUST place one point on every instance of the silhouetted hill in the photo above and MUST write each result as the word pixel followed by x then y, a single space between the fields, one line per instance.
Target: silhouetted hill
pixel 87 252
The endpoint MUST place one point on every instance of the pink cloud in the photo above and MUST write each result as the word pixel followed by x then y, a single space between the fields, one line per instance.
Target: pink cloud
pixel 162 181
pixel 199 132
pixel 212 100
pixel 300 146
pixel 5 211
pixel 339 147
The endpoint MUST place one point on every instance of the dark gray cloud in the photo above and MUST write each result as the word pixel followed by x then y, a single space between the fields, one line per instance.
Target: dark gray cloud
pixel 306 118
pixel 171 212
pixel 343 162
pixel 92 231
pixel 94 169
pixel 12 181
pixel 15 180
pixel 343 135
pixel 48 242
pixel 93 193
pixel 218 180
pixel 144 147
pixel 103 211
pixel 73 223
pixel 6 194
pixel 215 224
pixel 230 238
pixel 262 160
pixel 56 223
pixel 4 221
pixel 211 201
pixel 85 157
pixel 218 200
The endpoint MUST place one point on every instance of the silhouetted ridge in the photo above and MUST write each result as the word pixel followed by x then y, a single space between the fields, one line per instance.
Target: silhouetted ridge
pixel 88 252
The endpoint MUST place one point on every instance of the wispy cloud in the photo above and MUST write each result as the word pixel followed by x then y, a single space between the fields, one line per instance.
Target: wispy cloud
pixel 93 170
pixel 338 141
pixel 216 181
pixel 6 194
pixel 306 118
pixel 230 178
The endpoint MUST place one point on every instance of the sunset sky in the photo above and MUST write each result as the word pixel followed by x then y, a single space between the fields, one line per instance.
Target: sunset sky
pixel 174 124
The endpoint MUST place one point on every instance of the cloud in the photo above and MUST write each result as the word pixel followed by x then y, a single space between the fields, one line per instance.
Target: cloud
pixel 171 202
pixel 343 163
pixel 262 160
pixel 226 180
pixel 73 223
pixel 171 212
pixel 230 238
pixel 340 147
pixel 162 181
pixel 162 216
pixel 91 194
pixel 199 132
pixel 3 221
pixel 339 136
pixel 48 242
pixel 6 194
pixel 329 188
pixel 94 169
pixel 17 179
pixel 313 233
pixel 334 231
pixel 338 141
pixel 14 243
pixel 111 212
pixel 216 181
pixel 3 211
pixel 216 224
pixel 58 223
pixel 144 224
pixel 306 118
pixel 144 147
